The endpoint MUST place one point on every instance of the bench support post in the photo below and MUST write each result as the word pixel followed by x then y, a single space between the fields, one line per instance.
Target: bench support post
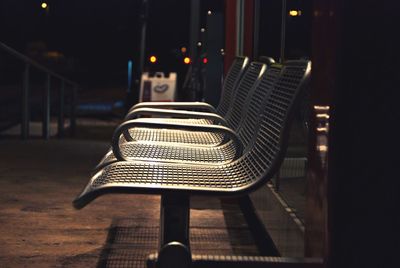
pixel 174 248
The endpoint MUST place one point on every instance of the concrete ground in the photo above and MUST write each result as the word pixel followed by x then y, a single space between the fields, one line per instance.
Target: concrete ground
pixel 40 228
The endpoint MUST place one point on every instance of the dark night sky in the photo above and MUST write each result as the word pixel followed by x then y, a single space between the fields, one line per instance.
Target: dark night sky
pixel 72 26
pixel 99 35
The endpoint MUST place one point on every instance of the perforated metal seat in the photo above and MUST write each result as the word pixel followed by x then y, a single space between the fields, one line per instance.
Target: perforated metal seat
pixel 168 153
pixel 177 182
pixel 168 136
pixel 254 168
pixel 207 155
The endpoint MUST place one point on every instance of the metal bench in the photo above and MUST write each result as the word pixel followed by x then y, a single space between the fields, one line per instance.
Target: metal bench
pixel 165 135
pixel 177 182
pixel 243 115
pixel 231 119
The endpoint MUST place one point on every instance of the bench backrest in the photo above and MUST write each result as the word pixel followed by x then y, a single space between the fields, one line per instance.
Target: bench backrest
pixel 230 84
pixel 249 81
pixel 270 142
pixel 254 104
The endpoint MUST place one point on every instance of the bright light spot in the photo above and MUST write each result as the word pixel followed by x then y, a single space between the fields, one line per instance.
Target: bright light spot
pixel 153 59
pixel 44 5
pixel 323 116
pixel 205 60
pixel 186 60
pixel 320 108
pixel 183 49
pixel 295 13
pixel 199 44
pixel 322 148
pixel 209 12
pixel 202 30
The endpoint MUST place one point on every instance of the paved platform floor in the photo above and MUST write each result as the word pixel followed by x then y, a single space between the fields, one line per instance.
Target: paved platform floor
pixel 40 228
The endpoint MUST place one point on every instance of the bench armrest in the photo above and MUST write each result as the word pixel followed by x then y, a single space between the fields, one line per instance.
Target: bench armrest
pixel 177 113
pixel 176 105
pixel 146 124
pixel 180 114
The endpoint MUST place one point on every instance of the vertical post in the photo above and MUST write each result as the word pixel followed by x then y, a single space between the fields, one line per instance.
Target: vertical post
pixel 25 104
pixel 283 32
pixel 256 31
pixel 72 111
pixel 174 232
pixel 215 68
pixel 133 95
pixel 46 109
pixel 239 27
pixel 248 28
pixel 230 34
pixel 194 28
pixel 144 16
pixel 174 219
pixel 61 111
pixel 325 43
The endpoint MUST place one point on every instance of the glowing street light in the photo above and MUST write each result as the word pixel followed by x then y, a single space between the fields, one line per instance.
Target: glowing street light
pixel 44 5
pixel 186 60
pixel 295 13
pixel 153 59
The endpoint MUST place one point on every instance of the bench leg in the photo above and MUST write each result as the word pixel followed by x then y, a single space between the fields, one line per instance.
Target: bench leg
pixel 174 248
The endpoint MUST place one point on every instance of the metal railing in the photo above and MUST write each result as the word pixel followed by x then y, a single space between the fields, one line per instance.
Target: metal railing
pixel 65 85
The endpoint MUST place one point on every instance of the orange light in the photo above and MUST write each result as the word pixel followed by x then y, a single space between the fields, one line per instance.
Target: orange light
pixel 205 60
pixel 183 49
pixel 153 59
pixel 295 13
pixel 186 60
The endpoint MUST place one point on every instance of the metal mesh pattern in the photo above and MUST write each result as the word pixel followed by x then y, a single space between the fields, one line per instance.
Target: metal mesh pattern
pixel 176 136
pixel 255 104
pixel 179 176
pixel 130 245
pixel 233 76
pixel 254 96
pixel 257 162
pixel 151 151
pixel 273 119
pixel 157 135
pixel 125 257
pixel 245 87
pixel 230 82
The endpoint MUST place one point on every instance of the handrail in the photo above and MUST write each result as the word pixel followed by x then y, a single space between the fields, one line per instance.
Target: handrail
pixel 25 110
pixel 34 63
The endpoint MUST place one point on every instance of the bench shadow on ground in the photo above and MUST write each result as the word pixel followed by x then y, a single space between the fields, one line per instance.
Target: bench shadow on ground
pixel 215 229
